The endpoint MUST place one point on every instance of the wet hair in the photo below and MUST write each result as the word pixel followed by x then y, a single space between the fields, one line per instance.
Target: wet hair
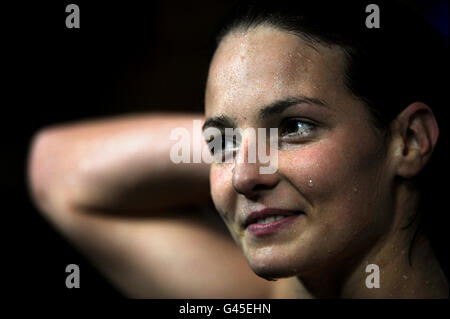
pixel 401 62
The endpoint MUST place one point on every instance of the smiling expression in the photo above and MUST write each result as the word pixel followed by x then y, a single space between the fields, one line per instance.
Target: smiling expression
pixel 332 171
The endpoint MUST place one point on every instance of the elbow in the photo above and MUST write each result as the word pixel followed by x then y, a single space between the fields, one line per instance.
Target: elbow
pixel 40 164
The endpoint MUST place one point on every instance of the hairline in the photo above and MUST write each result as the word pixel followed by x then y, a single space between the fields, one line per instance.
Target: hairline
pixel 312 41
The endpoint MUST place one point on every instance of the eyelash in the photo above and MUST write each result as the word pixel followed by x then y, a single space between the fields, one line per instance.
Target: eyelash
pixel 307 126
pixel 296 136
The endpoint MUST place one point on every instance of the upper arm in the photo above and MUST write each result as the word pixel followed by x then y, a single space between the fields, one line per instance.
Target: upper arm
pixel 118 163
pixel 173 253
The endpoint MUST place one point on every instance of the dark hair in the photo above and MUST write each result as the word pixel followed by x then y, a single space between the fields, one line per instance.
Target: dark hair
pixel 401 62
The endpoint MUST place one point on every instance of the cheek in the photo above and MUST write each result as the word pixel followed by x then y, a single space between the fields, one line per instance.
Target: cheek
pixel 317 169
pixel 221 188
pixel 342 197
pixel 338 177
pixel 224 197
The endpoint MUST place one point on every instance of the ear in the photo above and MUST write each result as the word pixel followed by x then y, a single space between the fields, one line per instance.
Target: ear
pixel 414 134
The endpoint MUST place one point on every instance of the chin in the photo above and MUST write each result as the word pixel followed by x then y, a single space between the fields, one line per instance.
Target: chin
pixel 272 273
pixel 272 267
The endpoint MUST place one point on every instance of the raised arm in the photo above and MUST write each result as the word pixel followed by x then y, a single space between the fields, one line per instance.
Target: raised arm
pixel 116 164
pixel 110 187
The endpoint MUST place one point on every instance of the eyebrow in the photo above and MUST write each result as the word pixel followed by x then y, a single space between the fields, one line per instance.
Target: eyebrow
pixel 280 106
pixel 272 109
pixel 218 121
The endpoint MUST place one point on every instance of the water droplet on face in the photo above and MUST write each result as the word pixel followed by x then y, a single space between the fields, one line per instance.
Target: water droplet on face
pixel 310 183
pixel 355 190
pixel 405 277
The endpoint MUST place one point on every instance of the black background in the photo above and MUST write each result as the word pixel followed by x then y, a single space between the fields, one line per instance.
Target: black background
pixel 126 57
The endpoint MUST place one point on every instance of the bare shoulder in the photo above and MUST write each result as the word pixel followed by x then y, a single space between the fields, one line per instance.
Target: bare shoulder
pixel 178 255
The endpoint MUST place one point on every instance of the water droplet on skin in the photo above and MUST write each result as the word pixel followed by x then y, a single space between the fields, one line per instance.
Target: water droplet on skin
pixel 405 277
pixel 310 183
pixel 355 190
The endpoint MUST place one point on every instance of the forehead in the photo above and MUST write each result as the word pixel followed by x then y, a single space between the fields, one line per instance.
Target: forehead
pixel 263 64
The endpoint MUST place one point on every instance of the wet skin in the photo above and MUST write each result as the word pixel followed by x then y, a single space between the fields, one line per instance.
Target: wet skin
pixel 329 167
pixel 334 166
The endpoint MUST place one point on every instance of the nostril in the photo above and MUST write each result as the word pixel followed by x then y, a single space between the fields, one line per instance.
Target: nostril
pixel 261 187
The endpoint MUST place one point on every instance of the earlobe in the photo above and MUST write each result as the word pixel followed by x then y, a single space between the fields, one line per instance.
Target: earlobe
pixel 417 133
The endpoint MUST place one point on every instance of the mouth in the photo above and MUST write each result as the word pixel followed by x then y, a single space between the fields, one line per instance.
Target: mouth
pixel 270 220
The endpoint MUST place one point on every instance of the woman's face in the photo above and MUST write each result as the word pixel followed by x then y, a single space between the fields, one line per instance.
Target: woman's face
pixel 332 178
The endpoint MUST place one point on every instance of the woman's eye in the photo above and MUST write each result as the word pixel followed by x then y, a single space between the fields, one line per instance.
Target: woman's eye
pixel 296 128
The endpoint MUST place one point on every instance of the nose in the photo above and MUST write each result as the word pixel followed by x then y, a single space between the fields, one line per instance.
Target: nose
pixel 247 178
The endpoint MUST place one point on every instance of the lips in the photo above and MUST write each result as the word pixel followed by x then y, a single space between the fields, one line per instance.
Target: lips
pixel 254 217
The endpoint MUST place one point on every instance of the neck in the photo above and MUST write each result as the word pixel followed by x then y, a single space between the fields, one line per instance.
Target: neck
pixel 402 273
